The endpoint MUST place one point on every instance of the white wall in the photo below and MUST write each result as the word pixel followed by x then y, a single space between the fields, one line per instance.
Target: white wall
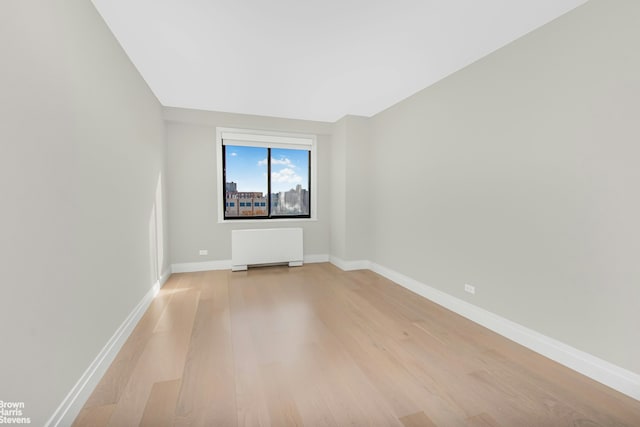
pixel 520 176
pixel 82 196
pixel 191 139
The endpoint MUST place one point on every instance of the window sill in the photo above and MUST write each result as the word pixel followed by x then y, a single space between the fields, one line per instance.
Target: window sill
pixel 270 220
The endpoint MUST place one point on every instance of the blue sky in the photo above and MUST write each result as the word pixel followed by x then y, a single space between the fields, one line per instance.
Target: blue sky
pixel 247 166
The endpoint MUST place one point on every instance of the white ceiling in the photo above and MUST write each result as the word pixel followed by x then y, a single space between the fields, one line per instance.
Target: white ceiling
pixel 311 59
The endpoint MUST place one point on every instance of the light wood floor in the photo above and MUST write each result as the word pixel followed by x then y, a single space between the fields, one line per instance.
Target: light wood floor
pixel 317 346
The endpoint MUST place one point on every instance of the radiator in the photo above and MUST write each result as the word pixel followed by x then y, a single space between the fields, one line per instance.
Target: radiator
pixel 266 246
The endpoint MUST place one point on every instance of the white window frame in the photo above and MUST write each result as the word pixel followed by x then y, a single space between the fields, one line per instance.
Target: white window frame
pixel 266 139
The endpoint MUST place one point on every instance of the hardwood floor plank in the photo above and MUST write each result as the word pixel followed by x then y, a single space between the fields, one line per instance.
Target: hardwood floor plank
pixel 207 395
pixel 329 387
pixel 160 407
pixel 94 416
pixel 251 402
pixel 482 420
pixel 162 359
pixel 419 419
pixel 283 410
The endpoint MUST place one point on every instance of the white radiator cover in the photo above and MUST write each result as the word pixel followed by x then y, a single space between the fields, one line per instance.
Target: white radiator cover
pixel 266 246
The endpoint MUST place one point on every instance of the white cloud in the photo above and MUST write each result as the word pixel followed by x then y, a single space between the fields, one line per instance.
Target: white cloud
pixel 286 176
pixel 283 161
pixel 234 154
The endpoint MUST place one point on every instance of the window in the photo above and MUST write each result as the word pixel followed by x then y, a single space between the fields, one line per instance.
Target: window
pixel 270 175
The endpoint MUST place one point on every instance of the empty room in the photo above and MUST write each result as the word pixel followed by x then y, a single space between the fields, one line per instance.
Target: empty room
pixel 320 213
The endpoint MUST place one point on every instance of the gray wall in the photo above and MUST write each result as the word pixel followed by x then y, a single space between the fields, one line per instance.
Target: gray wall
pixel 359 192
pixel 351 191
pixel 519 175
pixel 192 184
pixel 339 189
pixel 81 167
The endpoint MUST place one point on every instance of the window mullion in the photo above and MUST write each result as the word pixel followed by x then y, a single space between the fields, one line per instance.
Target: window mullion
pixel 269 182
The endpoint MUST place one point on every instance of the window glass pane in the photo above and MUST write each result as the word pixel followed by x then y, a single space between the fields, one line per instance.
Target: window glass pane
pixel 245 180
pixel 289 182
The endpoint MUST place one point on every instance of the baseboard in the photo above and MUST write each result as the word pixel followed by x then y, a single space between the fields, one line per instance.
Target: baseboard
pixel 617 378
pixel 312 259
pixel 70 407
pixel 191 267
pixel 350 265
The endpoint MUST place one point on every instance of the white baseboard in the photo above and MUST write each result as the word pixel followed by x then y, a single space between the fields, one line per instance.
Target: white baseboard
pixel 191 267
pixel 350 265
pixel 312 259
pixel 70 407
pixel 611 375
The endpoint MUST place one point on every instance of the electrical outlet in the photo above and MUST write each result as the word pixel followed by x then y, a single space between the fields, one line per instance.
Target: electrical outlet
pixel 470 288
pixel 204 252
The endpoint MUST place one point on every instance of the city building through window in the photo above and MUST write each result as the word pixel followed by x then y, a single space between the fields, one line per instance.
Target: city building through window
pixel 266 175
